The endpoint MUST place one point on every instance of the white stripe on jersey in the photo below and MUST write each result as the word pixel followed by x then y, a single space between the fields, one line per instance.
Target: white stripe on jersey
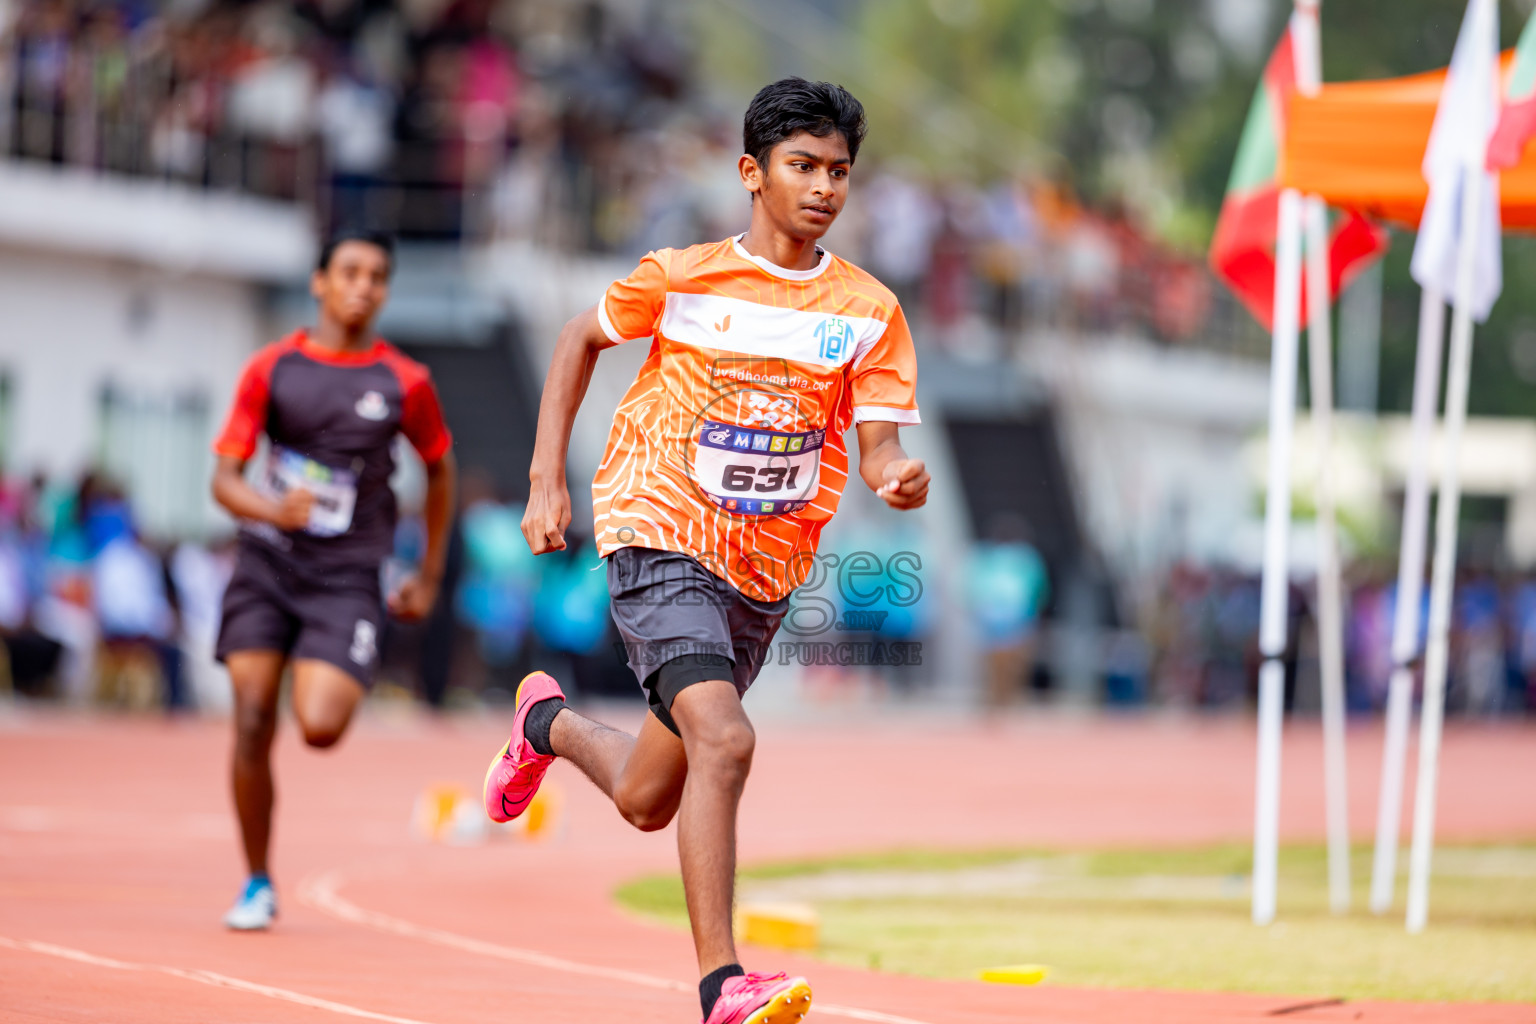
pixel 884 414
pixel 751 328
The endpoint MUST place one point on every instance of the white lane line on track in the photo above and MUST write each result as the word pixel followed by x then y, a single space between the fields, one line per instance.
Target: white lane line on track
pixel 322 893
pixel 203 977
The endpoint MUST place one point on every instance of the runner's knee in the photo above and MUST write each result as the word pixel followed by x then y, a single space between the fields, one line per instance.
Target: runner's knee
pixel 254 727
pixel 725 747
pixel 321 738
pixel 321 722
pixel 644 804
pixel 322 732
pixel 646 815
pixel 323 702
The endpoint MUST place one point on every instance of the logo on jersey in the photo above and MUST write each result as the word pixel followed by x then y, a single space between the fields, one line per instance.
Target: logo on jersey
pixel 372 406
pixel 364 642
pixel 719 436
pixel 764 410
pixel 834 336
pixel 724 325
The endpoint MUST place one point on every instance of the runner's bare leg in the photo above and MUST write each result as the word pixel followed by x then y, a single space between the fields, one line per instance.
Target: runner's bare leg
pixel 256 677
pixel 643 776
pixel 719 742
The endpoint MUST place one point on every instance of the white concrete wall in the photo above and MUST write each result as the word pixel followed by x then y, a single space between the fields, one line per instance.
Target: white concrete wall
pixel 152 223
pixel 1371 457
pixel 70 324
pixel 151 287
pixel 1156 440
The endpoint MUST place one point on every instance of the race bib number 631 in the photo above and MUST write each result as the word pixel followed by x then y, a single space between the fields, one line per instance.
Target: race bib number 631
pixel 758 472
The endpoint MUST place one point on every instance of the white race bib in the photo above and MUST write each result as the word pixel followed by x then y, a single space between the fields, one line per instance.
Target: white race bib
pixel 335 490
pixel 757 472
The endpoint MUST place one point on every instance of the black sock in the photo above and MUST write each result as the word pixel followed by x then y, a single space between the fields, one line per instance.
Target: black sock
pixel 536 726
pixel 709 988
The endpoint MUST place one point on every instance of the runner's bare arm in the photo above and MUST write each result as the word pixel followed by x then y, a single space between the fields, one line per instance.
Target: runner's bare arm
pixel 885 467
pixel 419 591
pixel 240 499
pixel 570 371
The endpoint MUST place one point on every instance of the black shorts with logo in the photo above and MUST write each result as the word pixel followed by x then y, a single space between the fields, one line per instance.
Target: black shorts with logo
pixel 270 605
pixel 681 624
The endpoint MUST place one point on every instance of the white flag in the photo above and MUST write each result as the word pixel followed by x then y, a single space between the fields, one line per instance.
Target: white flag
pixel 1458 144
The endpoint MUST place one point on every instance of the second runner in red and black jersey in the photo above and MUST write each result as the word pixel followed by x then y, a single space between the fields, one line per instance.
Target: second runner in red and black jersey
pixel 331 417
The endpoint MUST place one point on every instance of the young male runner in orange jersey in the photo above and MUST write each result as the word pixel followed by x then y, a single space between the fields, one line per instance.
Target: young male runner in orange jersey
pixel 726 458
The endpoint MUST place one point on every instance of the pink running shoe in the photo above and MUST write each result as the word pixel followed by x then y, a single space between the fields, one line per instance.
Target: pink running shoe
pixel 517 769
pixel 761 999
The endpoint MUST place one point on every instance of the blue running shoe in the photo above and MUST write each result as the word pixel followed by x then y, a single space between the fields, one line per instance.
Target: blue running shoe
pixel 255 908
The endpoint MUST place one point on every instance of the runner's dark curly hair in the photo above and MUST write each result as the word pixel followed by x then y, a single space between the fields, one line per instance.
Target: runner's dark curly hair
pixel 793 105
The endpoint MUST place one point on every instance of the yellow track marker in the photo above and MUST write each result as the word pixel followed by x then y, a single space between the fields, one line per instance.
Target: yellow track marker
pixel 436 810
pixel 543 813
pixel 1018 974
pixel 450 813
pixel 779 925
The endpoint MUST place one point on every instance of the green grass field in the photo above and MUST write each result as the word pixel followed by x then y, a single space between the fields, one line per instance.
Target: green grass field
pixel 1168 919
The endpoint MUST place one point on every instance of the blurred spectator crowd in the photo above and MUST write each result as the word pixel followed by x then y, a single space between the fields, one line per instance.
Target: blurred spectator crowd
pixel 433 118
pixel 1202 636
pixel 564 123
pixel 91 611
pixel 984 264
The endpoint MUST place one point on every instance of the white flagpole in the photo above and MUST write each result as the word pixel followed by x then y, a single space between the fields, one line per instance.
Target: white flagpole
pixel 1483 73
pixel 1437 652
pixel 1330 618
pixel 1274 601
pixel 1410 588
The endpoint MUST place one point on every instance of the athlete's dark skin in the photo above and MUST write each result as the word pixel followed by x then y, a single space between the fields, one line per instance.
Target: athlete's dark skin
pixel 699 778
pixel 350 291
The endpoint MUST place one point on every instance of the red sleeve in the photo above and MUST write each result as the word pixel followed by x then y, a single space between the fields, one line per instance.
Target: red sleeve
pixel 421 415
pixel 248 414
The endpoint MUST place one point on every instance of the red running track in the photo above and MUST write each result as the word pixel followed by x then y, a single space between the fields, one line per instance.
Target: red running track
pixel 118 855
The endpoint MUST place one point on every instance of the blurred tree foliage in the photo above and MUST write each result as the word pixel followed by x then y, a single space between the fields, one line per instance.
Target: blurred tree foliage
pixel 997 67
pixel 973 85
pixel 1168 76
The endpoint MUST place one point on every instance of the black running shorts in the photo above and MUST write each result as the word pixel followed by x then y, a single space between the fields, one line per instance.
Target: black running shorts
pixel 681 624
pixel 269 606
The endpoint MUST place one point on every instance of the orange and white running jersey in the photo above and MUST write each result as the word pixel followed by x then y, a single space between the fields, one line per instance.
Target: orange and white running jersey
pixel 729 445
